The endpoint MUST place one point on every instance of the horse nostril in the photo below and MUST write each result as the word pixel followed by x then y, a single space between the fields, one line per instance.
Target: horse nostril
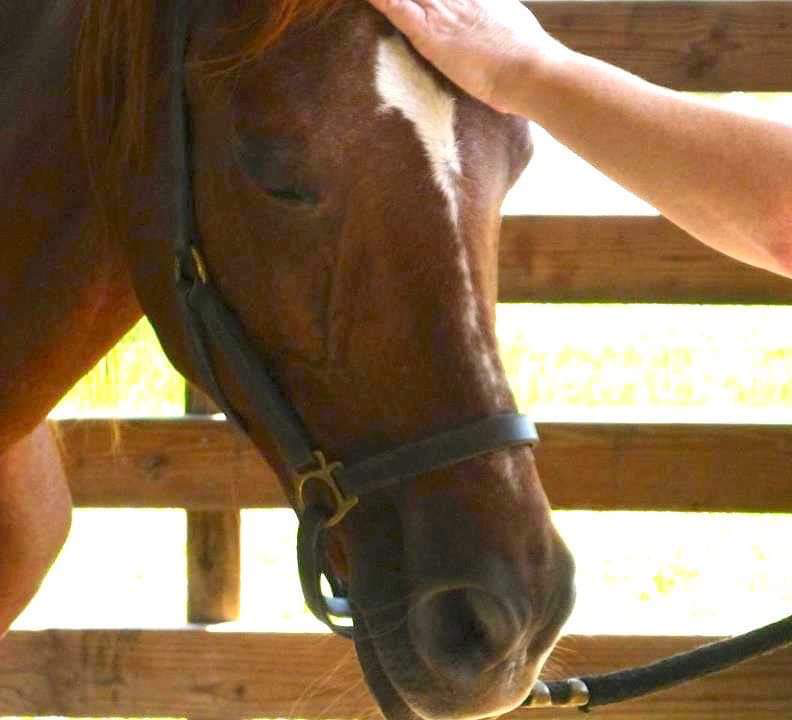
pixel 462 632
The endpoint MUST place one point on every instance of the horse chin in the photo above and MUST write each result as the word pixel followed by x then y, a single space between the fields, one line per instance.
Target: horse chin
pixel 390 702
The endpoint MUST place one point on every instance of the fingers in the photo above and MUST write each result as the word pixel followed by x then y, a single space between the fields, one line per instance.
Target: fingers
pixel 473 42
pixel 407 15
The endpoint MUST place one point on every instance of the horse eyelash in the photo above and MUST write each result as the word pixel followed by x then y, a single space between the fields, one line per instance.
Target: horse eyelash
pixel 293 196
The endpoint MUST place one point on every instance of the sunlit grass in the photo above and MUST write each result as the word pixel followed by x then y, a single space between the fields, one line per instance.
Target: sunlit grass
pixel 636 362
pixel 649 362
pixel 135 378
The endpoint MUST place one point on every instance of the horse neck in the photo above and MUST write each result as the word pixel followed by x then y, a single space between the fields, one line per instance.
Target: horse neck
pixel 64 290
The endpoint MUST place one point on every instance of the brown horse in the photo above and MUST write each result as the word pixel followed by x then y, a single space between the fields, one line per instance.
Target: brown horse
pixel 348 204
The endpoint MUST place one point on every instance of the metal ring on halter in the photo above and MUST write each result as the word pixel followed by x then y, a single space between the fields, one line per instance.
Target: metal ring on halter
pixel 324 474
pixel 200 265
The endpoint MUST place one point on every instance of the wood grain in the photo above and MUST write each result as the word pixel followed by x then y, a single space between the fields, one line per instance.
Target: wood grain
pixel 213 566
pixel 623 259
pixel 194 463
pixel 136 673
pixel 714 46
pixel 213 550
pixel 206 465
pixel 714 468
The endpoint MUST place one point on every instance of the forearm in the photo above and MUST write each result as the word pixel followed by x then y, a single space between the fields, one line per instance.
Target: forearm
pixel 723 177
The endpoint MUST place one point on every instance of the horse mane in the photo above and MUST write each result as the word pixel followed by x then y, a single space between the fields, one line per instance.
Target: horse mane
pixel 116 82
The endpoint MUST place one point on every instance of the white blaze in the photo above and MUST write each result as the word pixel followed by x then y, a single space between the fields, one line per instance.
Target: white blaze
pixel 406 86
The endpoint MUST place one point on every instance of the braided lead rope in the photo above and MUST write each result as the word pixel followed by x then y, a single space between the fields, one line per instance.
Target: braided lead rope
pixel 588 692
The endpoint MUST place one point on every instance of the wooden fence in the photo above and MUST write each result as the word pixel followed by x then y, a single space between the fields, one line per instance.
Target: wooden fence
pixel 200 465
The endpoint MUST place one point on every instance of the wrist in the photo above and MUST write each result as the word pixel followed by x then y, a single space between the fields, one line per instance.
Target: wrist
pixel 523 87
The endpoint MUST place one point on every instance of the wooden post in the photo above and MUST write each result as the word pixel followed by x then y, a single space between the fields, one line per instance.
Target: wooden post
pixel 213 551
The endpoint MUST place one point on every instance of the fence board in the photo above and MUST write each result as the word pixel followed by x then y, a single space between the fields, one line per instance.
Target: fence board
pixel 623 259
pixel 194 463
pixel 137 673
pixel 206 465
pixel 717 46
pixel 726 468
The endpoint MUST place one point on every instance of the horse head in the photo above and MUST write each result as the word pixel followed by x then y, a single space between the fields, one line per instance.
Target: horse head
pixel 347 199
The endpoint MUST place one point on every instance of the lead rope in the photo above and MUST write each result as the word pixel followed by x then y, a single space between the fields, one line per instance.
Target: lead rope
pixel 589 692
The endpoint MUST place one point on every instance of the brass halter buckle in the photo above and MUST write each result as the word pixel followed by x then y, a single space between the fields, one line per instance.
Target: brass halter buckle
pixel 324 474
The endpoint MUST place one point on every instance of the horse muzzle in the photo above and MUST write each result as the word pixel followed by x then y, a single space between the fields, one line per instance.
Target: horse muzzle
pixel 461 633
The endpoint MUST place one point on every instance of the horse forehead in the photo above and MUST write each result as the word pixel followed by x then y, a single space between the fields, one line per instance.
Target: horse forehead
pixel 406 85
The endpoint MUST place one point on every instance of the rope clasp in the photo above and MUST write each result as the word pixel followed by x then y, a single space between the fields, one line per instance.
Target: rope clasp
pixel 574 693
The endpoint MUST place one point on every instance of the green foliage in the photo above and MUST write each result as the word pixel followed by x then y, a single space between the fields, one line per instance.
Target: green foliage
pixel 560 359
pixel 135 378
pixel 680 362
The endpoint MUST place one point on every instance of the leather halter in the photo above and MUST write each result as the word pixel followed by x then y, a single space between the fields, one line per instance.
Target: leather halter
pixel 210 323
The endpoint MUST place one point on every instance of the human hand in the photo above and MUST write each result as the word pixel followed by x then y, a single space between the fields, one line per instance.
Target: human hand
pixel 489 48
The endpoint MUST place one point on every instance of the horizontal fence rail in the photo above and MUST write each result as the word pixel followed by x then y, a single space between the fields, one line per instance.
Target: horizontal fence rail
pixel 701 46
pixel 145 673
pixel 204 464
pixel 624 259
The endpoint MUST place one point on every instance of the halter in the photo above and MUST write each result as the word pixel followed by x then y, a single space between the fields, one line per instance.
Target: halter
pixel 209 322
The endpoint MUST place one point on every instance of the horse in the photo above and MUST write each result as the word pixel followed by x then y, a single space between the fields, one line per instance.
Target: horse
pixel 348 200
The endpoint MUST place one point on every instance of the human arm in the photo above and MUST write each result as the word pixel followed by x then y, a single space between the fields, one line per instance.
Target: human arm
pixel 724 177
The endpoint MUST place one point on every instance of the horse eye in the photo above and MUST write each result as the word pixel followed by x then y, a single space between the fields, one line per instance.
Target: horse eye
pixel 293 195
pixel 277 169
